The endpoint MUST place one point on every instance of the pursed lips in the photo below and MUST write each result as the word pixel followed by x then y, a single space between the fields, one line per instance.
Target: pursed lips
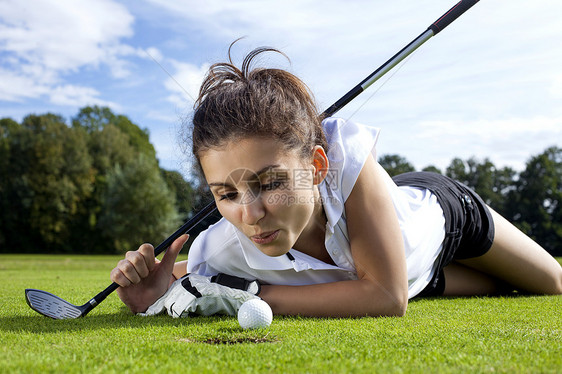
pixel 265 237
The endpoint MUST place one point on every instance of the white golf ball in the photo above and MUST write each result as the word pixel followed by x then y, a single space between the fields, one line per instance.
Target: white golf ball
pixel 255 314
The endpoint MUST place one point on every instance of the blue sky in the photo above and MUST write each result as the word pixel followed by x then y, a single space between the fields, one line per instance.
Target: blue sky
pixel 490 85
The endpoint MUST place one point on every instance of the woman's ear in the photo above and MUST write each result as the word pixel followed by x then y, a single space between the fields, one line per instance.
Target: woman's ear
pixel 320 164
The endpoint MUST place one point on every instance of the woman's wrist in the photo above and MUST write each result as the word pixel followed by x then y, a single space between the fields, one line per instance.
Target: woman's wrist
pixel 172 280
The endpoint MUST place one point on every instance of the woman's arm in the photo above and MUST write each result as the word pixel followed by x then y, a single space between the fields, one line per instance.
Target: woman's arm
pixel 378 251
pixel 180 269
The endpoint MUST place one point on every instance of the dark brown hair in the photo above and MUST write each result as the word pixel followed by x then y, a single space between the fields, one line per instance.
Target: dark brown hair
pixel 238 103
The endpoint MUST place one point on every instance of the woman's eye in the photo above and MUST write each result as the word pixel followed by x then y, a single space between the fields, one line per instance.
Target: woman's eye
pixel 228 196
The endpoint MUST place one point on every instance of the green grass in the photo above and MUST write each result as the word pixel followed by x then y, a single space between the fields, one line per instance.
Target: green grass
pixel 506 335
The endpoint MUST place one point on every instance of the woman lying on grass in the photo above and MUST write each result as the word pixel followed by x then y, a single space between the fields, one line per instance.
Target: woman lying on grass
pixel 311 215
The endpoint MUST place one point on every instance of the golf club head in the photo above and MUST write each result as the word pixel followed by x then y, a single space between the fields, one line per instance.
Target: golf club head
pixel 49 305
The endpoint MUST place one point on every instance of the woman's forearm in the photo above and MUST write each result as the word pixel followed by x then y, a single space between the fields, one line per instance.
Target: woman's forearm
pixel 357 298
pixel 180 269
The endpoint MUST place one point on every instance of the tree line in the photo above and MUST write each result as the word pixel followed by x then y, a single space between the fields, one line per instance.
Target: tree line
pixel 530 199
pixel 94 185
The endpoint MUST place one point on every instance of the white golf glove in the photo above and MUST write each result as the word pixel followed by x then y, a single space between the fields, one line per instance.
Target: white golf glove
pixel 198 294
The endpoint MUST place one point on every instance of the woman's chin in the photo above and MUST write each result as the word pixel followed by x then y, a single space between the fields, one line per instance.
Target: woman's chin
pixel 274 252
pixel 274 249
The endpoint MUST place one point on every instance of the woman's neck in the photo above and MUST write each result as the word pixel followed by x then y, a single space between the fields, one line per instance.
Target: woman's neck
pixel 311 240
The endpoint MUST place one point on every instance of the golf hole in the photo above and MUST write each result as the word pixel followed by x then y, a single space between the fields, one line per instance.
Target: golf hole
pixel 232 341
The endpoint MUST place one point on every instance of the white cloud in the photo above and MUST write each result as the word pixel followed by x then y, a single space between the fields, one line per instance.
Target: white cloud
pixel 164 117
pixel 154 54
pixel 505 141
pixel 490 130
pixel 42 41
pixel 71 95
pixel 556 86
pixel 63 34
pixel 16 87
pixel 185 82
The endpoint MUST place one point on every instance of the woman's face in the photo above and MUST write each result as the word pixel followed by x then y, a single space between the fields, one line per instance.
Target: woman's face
pixel 268 193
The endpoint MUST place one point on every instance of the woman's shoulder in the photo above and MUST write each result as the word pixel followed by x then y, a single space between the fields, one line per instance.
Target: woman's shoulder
pixel 350 143
pixel 339 130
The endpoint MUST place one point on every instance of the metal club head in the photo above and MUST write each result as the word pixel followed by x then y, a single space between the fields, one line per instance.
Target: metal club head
pixel 49 305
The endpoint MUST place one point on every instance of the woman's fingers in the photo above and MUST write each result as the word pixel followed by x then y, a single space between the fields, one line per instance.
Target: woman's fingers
pixel 140 261
pixel 134 267
pixel 147 252
pixel 123 274
pixel 139 264
pixel 172 253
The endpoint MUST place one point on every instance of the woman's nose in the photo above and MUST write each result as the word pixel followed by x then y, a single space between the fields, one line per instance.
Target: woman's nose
pixel 252 211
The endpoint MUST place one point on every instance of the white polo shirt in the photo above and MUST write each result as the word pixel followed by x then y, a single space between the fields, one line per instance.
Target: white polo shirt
pixel 224 249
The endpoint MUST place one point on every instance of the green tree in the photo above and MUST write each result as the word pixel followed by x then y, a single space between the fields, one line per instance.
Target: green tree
pixel 182 190
pixel 76 188
pixel 49 178
pixel 108 146
pixel 116 143
pixel 457 170
pixel 491 183
pixel 432 169
pixel 395 164
pixel 138 138
pixel 536 204
pixel 504 182
pixel 138 205
pixel 8 130
pixel 95 119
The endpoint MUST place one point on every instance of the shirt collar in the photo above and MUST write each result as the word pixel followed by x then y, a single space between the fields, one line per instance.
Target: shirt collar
pixel 258 260
pixel 333 205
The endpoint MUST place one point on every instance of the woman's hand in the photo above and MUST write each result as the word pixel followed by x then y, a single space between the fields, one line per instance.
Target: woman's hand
pixel 142 277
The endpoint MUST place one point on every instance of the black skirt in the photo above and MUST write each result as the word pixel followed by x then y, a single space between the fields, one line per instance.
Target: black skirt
pixel 469 228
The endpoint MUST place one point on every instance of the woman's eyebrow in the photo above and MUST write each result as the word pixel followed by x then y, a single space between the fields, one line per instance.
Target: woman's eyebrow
pixel 254 177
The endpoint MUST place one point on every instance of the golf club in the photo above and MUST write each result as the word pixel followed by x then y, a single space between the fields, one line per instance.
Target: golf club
pixel 49 305
pixel 433 29
pixel 53 306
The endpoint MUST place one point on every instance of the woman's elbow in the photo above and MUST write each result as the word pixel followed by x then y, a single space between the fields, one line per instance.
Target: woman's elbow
pixel 396 306
pixel 392 304
pixel 392 310
pixel 400 308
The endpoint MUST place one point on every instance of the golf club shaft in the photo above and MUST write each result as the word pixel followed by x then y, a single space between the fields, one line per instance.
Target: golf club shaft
pixel 445 20
pixel 185 228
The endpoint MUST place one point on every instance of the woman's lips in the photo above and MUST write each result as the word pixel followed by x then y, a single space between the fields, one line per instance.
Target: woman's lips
pixel 266 237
